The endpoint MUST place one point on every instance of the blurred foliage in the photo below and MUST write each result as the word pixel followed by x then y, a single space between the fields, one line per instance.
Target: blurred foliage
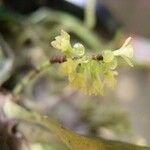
pixel 71 139
pixel 25 43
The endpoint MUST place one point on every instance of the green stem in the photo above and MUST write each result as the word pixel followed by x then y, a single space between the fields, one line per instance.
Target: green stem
pixel 71 23
pixel 90 18
pixel 31 75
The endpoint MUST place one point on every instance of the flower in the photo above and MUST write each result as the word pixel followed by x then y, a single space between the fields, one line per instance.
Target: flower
pixel 109 59
pixel 108 56
pixel 97 87
pixel 62 42
pixel 68 68
pixel 126 52
pixel 110 78
pixel 78 49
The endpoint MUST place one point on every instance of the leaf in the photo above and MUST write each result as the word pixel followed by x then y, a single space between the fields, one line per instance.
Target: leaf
pixel 72 140
pixel 41 146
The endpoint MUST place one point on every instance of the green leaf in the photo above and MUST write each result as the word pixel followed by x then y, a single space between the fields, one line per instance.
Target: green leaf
pixel 39 146
pixel 72 140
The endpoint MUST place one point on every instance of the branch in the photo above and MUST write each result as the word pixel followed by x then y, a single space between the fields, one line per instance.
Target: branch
pixel 30 76
pixel 43 67
pixel 61 59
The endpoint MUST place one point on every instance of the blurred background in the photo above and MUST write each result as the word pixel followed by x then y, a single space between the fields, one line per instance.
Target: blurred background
pixel 27 28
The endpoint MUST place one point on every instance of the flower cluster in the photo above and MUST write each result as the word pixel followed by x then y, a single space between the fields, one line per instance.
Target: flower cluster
pixel 88 74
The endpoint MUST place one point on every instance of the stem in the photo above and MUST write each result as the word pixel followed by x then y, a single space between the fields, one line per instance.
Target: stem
pixel 31 75
pixel 43 67
pixel 71 24
pixel 90 18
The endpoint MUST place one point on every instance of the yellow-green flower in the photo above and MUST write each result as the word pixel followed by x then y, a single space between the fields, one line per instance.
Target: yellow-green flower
pixel 79 81
pixel 110 78
pixel 126 52
pixel 78 49
pixel 97 87
pixel 62 42
pixel 109 59
pixel 68 68
pixel 108 56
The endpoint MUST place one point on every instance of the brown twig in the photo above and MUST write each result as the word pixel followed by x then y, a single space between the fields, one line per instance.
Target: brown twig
pixel 62 58
pixel 57 59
